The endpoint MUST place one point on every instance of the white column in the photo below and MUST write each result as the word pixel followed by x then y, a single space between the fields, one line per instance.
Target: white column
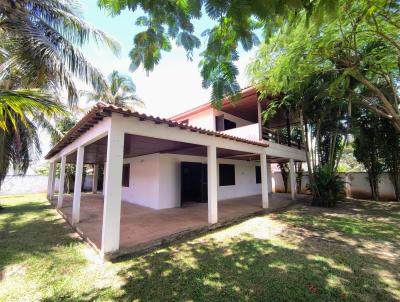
pixel 264 181
pixel 76 203
pixel 269 175
pixel 61 182
pixel 212 183
pixel 95 178
pixel 104 177
pixel 113 187
pixel 292 175
pixel 50 184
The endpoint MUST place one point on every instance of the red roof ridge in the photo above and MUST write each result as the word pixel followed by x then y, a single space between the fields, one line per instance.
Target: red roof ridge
pixel 101 109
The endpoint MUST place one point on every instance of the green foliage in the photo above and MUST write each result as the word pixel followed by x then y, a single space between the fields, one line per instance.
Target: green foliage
pixel 22 112
pixel 41 40
pixel 234 25
pixel 359 49
pixel 330 185
pixel 377 147
pixel 120 91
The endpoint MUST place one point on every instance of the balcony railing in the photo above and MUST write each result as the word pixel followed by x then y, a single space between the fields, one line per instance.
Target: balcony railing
pixel 273 136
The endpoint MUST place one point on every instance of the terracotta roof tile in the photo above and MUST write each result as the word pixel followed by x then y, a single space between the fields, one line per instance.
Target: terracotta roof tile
pixel 101 110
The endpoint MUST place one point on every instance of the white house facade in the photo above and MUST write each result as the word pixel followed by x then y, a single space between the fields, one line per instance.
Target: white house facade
pixel 203 155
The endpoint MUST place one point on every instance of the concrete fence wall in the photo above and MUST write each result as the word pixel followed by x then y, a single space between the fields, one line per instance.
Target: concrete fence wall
pixel 357 185
pixel 33 184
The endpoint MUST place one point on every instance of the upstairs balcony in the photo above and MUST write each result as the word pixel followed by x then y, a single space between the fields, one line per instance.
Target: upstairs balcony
pixel 254 132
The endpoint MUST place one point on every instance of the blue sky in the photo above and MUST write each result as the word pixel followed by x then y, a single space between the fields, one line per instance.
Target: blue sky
pixel 175 84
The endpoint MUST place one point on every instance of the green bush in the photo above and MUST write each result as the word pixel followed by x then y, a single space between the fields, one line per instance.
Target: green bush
pixel 330 186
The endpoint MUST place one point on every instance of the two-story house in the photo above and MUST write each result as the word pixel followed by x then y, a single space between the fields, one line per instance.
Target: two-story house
pixel 156 166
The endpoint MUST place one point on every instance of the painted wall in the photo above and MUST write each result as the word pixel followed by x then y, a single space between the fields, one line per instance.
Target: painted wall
pixel 250 132
pixel 357 185
pixel 143 181
pixel 155 180
pixel 206 119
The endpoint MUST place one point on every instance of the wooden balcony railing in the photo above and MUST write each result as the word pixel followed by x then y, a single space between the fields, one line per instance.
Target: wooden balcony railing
pixel 273 136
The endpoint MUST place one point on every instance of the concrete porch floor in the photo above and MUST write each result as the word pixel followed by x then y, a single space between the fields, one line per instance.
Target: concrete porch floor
pixel 143 227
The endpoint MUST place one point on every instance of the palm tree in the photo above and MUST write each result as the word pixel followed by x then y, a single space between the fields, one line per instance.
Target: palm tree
pixel 22 112
pixel 39 57
pixel 45 36
pixel 120 91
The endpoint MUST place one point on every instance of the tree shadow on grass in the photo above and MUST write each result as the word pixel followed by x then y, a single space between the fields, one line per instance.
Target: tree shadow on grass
pixel 31 229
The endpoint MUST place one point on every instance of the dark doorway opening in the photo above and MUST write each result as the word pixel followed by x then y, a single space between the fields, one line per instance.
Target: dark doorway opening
pixel 193 182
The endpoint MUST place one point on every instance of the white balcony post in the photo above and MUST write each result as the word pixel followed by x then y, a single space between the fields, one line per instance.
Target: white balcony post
pixel 50 184
pixel 61 182
pixel 95 178
pixel 76 203
pixel 264 181
pixel 212 182
pixel 113 187
pixel 292 175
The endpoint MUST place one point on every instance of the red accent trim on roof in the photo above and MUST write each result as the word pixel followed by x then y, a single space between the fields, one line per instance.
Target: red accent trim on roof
pixel 101 110
pixel 187 114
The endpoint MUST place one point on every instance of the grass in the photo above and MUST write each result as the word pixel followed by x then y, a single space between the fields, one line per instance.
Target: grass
pixel 349 253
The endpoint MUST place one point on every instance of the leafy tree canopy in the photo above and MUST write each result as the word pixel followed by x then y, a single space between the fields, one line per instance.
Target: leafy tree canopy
pixel 360 48
pixel 235 25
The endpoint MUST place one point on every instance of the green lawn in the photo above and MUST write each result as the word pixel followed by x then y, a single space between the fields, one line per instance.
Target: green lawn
pixel 350 253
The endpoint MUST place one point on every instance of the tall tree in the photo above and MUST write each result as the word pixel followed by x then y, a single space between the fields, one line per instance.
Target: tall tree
pixel 22 112
pixel 41 39
pixel 233 25
pixel 360 45
pixel 39 58
pixel 120 91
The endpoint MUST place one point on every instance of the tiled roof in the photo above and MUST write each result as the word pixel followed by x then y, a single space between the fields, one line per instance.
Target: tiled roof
pixel 101 110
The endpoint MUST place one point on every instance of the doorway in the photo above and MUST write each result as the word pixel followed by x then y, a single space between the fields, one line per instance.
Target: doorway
pixel 193 182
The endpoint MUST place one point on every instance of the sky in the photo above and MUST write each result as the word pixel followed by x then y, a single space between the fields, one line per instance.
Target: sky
pixel 175 84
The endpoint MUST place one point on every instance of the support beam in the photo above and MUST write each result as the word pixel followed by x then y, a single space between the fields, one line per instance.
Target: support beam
pixel 95 178
pixel 113 187
pixel 264 181
pixel 61 182
pixel 76 203
pixel 212 183
pixel 292 177
pixel 51 181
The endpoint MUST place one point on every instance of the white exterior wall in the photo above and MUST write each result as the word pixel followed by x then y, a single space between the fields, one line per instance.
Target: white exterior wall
pixel 155 180
pixel 143 181
pixel 206 119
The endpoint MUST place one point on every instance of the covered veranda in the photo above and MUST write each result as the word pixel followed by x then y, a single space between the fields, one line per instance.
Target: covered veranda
pixel 108 134
pixel 144 228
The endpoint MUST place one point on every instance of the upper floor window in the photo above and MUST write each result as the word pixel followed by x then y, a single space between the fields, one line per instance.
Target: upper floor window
pixel 222 123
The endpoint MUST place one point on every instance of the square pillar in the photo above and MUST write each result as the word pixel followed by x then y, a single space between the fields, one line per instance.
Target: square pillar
pixel 212 183
pixel 51 181
pixel 264 181
pixel 292 179
pixel 61 182
pixel 269 176
pixel 104 177
pixel 113 189
pixel 76 203
pixel 95 178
